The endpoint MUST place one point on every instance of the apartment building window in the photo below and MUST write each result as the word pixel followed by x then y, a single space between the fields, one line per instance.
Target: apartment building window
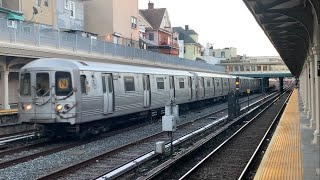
pixel 66 4
pixel 213 54
pixel 133 22
pixel 38 3
pixel 11 24
pixel 72 10
pixel 46 3
pixel 151 36
pixel 223 54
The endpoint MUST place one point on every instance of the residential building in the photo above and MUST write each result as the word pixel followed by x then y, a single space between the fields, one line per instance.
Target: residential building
pixel 113 20
pixel 64 15
pixel 158 33
pixel 39 11
pixel 70 14
pixel 229 53
pixel 192 48
pixel 10 12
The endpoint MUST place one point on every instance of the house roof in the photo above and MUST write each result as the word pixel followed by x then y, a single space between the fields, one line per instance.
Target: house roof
pixel 153 16
pixel 183 35
pixel 190 32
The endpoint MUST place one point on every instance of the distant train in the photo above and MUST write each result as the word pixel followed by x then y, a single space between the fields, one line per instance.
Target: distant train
pixel 67 95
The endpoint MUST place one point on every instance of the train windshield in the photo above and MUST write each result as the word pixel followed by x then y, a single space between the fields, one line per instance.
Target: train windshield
pixel 63 83
pixel 42 81
pixel 25 84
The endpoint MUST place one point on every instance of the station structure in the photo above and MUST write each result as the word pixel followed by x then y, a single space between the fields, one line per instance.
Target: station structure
pixel 293 27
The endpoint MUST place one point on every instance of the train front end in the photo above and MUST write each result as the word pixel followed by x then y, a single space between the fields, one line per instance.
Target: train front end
pixel 47 95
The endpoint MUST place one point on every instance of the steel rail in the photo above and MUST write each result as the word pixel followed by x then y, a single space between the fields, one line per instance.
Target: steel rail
pixel 258 149
pixel 186 175
pixel 84 163
pixel 130 165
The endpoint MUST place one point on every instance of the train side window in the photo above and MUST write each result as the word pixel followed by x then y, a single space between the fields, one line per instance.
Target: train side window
pixel 83 81
pixel 63 83
pixel 129 84
pixel 42 82
pixel 208 83
pixel 160 83
pixel 218 83
pixel 181 83
pixel 25 84
pixel 104 90
pixel 110 84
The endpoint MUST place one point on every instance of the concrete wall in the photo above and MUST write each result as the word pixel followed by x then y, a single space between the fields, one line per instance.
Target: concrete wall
pixel 98 16
pixel 45 13
pixel 64 21
pixel 11 4
pixel 123 11
pixel 105 17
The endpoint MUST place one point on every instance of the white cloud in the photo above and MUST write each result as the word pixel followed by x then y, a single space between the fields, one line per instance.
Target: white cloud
pixel 226 23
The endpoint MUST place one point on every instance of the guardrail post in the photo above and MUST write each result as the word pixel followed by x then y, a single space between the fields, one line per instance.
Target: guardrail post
pixel 15 35
pixel 90 45
pixel 134 53
pixel 59 39
pixel 76 43
pixel 104 47
pixel 39 35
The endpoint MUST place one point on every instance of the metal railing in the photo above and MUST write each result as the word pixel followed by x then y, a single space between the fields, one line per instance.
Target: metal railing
pixel 39 35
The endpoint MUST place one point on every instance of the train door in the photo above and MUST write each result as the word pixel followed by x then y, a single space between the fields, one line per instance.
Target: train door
pixel 42 96
pixel 190 88
pixel 108 93
pixel 146 91
pixel 172 87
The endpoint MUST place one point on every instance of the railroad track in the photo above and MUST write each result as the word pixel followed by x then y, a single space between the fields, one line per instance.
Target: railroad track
pixel 113 158
pixel 15 137
pixel 231 151
pixel 229 160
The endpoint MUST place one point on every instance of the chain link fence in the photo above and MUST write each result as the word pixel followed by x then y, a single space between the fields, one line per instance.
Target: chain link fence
pixel 42 35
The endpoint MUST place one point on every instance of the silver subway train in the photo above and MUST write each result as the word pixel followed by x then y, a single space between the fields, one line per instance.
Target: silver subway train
pixel 73 92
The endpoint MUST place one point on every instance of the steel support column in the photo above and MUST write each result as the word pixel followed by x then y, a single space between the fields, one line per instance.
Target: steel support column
pixel 312 92
pixel 308 89
pixel 305 86
pixel 316 52
pixel 5 91
pixel 281 83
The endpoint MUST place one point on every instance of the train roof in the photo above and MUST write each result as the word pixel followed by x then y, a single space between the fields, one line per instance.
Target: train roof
pixel 68 64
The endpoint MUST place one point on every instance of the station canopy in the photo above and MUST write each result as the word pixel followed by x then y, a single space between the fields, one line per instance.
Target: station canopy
pixel 289 26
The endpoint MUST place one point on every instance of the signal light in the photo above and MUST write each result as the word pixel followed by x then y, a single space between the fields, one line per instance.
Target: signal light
pixel 237 83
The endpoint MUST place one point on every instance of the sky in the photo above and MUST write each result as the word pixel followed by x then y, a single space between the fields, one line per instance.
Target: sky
pixel 223 23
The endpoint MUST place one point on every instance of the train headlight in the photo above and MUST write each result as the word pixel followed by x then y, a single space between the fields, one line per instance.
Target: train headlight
pixel 27 107
pixel 59 107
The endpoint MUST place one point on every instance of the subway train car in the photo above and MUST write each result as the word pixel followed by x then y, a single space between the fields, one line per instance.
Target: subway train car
pixel 71 95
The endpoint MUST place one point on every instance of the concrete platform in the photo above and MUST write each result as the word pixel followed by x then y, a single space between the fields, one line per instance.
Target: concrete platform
pixel 291 154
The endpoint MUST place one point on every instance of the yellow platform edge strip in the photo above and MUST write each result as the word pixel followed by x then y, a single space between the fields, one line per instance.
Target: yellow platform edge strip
pixel 283 159
pixel 8 111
